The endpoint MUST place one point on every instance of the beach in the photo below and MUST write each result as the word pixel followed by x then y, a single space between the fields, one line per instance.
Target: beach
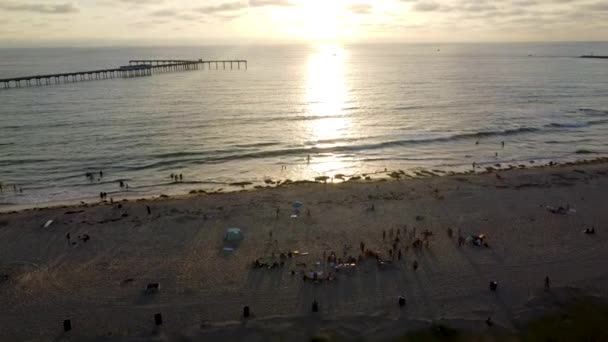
pixel 532 219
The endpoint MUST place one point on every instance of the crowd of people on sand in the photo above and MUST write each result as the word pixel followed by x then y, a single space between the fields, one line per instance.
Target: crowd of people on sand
pixel 396 242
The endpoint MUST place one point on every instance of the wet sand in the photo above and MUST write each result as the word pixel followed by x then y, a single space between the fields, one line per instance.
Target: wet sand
pixel 99 284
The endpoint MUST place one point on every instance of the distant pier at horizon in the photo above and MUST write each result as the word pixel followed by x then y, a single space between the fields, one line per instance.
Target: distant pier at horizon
pixel 136 68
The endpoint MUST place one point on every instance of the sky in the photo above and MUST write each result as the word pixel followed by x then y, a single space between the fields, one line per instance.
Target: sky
pixel 151 22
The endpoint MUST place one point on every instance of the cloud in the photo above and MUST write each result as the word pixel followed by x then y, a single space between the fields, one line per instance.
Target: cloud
pixel 67 7
pixel 262 3
pixel 222 8
pixel 164 13
pixel 598 6
pixel 141 2
pixel 361 8
pixel 426 6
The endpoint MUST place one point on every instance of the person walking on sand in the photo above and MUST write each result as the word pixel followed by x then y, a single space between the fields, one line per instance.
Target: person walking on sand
pixel 503 144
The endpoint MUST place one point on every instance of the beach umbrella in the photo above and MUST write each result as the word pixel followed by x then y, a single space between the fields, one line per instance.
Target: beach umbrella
pixel 233 234
pixel 297 205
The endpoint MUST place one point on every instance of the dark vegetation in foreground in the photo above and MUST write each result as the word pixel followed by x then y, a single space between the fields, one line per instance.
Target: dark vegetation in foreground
pixel 583 321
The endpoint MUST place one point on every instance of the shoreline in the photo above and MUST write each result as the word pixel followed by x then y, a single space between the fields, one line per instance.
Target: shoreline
pixel 389 175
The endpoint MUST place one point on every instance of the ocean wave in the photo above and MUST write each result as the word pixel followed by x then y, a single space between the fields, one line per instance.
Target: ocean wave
pixel 212 158
pixel 408 107
pixel 576 124
pixel 593 112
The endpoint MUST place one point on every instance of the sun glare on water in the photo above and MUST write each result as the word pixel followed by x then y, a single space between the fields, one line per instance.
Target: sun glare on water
pixel 326 97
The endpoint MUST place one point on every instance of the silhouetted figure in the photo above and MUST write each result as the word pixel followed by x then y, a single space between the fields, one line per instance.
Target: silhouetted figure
pixel 489 322
pixel 181 177
pixel 415 265
pixel 148 209
pixel 121 184
pixel 101 195
pixel 308 159
pixel 315 306
pixel 450 233
pixel 590 231
pixel 246 312
pixel 362 245
pixel 401 301
pixel 547 283
pixel 474 164
pixel 384 235
pixel 158 319
pixel 503 144
pixel 399 255
pixel 493 286
pixel 67 325
pixel 100 174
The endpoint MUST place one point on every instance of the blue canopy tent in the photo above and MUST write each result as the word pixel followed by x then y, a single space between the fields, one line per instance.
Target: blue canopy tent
pixel 233 234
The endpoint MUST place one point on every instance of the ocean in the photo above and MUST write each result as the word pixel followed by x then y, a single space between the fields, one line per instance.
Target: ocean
pixel 297 112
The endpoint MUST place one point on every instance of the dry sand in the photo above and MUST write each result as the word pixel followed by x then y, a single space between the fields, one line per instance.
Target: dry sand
pixel 45 279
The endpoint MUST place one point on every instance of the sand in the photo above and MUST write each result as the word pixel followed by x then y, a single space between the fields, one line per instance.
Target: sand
pixel 99 284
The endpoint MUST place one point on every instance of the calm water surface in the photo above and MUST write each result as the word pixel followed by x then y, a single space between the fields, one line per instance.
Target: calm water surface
pixel 353 109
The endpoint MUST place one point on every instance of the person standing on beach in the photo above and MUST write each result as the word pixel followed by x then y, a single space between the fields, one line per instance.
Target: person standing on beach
pixel 503 144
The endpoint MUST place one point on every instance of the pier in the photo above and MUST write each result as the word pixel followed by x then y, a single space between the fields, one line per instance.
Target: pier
pixel 136 68
pixel 159 62
pixel 594 56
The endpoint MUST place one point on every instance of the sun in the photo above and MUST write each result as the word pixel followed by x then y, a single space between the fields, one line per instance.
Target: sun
pixel 322 19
